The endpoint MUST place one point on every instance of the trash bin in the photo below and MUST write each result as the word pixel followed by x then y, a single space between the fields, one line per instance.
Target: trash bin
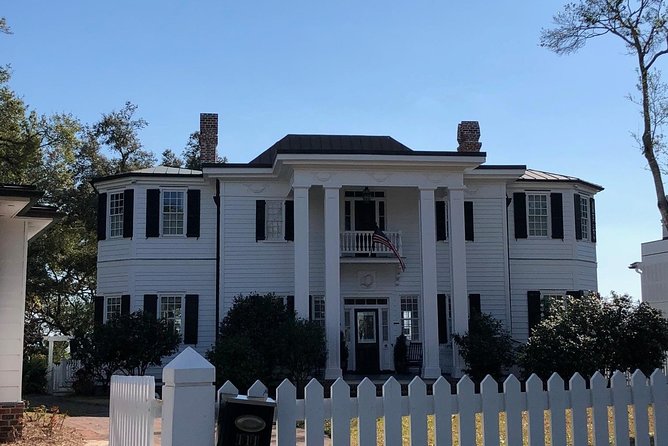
pixel 244 421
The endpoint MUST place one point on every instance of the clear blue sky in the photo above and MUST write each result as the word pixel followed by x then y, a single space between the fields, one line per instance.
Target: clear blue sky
pixel 411 70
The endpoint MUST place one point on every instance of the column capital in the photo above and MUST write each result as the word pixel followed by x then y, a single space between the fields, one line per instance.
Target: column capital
pixel 427 188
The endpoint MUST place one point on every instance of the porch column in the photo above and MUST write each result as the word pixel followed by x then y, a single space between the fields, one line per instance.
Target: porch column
pixel 431 367
pixel 301 251
pixel 459 298
pixel 332 282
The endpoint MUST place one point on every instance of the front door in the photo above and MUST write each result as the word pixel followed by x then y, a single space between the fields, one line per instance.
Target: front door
pixel 365 215
pixel 366 341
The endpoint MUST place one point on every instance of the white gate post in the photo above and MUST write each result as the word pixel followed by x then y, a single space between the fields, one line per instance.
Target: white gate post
pixel 188 400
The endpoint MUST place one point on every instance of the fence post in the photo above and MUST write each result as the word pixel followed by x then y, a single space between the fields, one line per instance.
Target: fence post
pixel 188 396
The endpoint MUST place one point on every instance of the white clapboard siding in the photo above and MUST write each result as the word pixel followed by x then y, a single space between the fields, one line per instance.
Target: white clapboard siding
pixel 639 392
pixel 132 410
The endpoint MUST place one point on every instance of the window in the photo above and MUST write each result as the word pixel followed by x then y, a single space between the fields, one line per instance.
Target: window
pixel 274 220
pixel 319 310
pixel 584 217
pixel 537 215
pixel 171 311
pixel 410 318
pixel 116 214
pixel 173 212
pixel 112 307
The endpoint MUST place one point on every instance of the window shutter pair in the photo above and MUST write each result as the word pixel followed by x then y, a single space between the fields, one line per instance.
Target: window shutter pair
pixel 441 221
pixel 128 212
pixel 556 215
pixel 190 319
pixel 193 201
pixel 289 233
pixel 98 307
pixel 578 217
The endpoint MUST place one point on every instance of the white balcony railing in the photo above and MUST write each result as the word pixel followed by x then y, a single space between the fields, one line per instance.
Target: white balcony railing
pixel 360 242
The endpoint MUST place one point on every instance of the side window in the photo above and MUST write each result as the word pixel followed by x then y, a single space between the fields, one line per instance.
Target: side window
pixel 584 217
pixel 173 212
pixel 116 214
pixel 318 311
pixel 274 220
pixel 171 310
pixel 410 317
pixel 537 215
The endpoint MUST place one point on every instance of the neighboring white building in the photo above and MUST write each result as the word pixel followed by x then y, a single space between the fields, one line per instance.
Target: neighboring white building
pixel 21 219
pixel 298 221
pixel 654 273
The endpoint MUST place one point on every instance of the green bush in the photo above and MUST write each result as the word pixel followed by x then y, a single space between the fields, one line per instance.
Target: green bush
pixel 487 347
pixel 589 334
pixel 34 374
pixel 260 338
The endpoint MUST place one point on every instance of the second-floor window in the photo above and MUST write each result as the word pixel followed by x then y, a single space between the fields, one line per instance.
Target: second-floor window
pixel 537 218
pixel 173 212
pixel 274 220
pixel 116 214
pixel 584 217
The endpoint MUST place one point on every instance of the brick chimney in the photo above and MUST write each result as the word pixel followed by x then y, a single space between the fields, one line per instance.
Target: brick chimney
pixel 468 134
pixel 208 137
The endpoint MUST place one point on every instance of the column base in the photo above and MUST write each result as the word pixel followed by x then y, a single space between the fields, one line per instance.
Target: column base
pixel 431 372
pixel 11 421
pixel 333 373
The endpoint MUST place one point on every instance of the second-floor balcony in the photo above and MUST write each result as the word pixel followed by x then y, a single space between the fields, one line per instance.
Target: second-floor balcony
pixel 360 243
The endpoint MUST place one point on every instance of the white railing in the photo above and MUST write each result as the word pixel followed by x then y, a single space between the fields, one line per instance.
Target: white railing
pixel 360 242
pixel 367 408
pixel 133 409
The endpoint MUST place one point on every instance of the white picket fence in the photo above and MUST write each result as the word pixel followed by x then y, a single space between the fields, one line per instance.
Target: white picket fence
pixel 639 392
pixel 133 409
pixel 61 375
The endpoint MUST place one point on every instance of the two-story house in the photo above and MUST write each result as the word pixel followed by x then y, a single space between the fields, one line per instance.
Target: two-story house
pixel 298 220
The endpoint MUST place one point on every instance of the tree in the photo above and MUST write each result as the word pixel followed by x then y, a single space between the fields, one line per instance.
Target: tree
pixel 170 159
pixel 191 153
pixel 586 334
pixel 642 26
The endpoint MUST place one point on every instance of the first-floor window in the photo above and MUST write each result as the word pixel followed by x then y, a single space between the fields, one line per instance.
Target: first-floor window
pixel 171 311
pixel 112 307
pixel 319 309
pixel 274 220
pixel 410 317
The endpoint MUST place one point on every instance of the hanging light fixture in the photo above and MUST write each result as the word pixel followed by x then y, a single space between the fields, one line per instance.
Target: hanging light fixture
pixel 366 194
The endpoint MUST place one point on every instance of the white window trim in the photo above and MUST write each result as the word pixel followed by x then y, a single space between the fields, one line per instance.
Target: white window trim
pixel 105 317
pixel 109 234
pixel 548 216
pixel 447 222
pixel 324 315
pixel 586 232
pixel 418 317
pixel 185 211
pixel 281 237
pixel 183 304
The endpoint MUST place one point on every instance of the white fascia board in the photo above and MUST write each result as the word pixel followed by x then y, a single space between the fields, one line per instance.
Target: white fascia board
pixel 380 160
pixel 158 180
pixel 508 175
pixel 552 185
pixel 231 173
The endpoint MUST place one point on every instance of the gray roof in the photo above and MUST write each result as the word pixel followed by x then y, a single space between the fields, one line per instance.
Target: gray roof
pixel 164 170
pixel 540 175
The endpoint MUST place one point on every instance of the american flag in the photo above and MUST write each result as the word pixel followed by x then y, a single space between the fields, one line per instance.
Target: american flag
pixel 382 239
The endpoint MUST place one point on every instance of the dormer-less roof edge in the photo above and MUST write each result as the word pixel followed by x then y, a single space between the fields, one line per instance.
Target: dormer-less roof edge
pixel 145 175
pixel 540 176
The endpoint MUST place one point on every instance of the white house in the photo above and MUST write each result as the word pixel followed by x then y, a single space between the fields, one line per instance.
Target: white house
pixel 21 219
pixel 654 271
pixel 298 221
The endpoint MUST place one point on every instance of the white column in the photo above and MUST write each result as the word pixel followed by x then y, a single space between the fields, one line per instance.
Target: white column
pixel 431 367
pixel 332 282
pixel 301 251
pixel 459 297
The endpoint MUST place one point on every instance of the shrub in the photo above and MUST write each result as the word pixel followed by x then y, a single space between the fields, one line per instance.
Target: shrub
pixel 401 354
pixel 34 374
pixel 589 333
pixel 487 347
pixel 260 338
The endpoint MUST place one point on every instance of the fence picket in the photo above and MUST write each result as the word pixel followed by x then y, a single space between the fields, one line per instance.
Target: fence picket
pixel 535 410
pixel 557 402
pixel 620 403
pixel 286 414
pixel 417 403
pixel 258 390
pixel 489 392
pixel 340 392
pixel 641 400
pixel 314 413
pixel 466 403
pixel 131 416
pixel 513 408
pixel 599 403
pixel 659 398
pixel 366 412
pixel 443 401
pixel 579 403
pixel 392 409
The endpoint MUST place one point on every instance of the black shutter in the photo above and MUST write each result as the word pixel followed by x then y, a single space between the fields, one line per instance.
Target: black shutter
pixel 592 212
pixel 533 309
pixel 125 304
pixel 474 305
pixel 98 309
pixel 193 213
pixel 191 319
pixel 557 215
pixel 468 220
pixel 575 293
pixel 151 304
pixel 520 214
pixel 259 220
pixel 442 318
pixel 128 211
pixel 441 231
pixel 102 216
pixel 578 216
pixel 153 213
pixel 290 220
pixel 290 304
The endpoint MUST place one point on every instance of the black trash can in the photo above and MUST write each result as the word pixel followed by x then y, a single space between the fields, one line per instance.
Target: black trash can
pixel 244 421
